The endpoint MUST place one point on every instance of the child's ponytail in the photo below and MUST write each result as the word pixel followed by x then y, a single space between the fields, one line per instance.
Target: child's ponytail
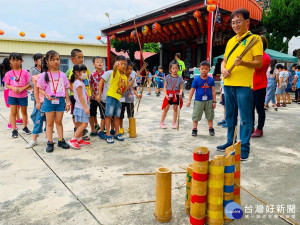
pixel 45 69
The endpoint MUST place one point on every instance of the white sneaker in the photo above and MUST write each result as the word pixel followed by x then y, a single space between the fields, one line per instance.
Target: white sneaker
pixel 31 144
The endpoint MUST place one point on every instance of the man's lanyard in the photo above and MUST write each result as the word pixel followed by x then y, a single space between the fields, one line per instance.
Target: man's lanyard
pixel 54 88
pixel 17 79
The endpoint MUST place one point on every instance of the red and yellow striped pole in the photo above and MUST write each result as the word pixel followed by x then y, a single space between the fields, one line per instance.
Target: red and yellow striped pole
pixel 189 173
pixel 215 191
pixel 199 186
pixel 237 174
pixel 228 181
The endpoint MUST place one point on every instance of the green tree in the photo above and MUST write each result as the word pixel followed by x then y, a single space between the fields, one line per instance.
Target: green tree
pixel 130 47
pixel 151 47
pixel 281 21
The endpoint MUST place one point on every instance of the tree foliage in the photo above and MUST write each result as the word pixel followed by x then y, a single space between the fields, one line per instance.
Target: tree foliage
pixel 281 21
pixel 151 47
pixel 130 47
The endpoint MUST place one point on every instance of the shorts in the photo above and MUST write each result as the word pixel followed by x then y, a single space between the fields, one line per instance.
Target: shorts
pixel 203 106
pixel 280 91
pixel 38 117
pixel 130 110
pixel 49 107
pixel 223 99
pixel 149 84
pixel 72 101
pixel 289 89
pixel 174 103
pixel 159 85
pixel 94 105
pixel 17 101
pixel 80 116
pixel 113 107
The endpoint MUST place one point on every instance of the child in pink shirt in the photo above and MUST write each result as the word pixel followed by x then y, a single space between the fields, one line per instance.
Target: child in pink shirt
pixel 17 81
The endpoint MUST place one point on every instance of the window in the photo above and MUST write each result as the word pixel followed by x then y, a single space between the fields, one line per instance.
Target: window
pixel 64 65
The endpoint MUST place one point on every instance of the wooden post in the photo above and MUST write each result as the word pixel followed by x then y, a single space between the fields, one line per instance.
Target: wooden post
pixel 189 173
pixel 132 127
pixel 215 191
pixel 163 208
pixel 228 181
pixel 199 186
pixel 237 174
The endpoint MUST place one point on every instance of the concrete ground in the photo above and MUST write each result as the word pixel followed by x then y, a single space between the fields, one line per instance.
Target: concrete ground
pixel 78 187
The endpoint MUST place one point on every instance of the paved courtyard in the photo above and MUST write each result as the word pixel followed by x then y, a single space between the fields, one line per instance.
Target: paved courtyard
pixel 80 187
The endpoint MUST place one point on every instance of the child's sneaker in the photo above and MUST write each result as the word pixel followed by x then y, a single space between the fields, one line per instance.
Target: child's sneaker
pixel 15 134
pixel 31 144
pixel 194 132
pixel 211 131
pixel 26 131
pixel 74 143
pixel 19 122
pixel 50 147
pixel 62 143
pixel 85 131
pixel 109 140
pixel 84 143
pixel 278 104
pixel 174 126
pixel 257 133
pixel 119 137
pixel 102 135
pixel 221 123
pixel 224 125
pixel 283 104
pixel 93 134
pixel 163 125
pixel 9 126
pixel 121 131
pixel 276 109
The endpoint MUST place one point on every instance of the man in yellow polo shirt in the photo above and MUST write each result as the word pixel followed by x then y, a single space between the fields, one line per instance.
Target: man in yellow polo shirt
pixel 238 84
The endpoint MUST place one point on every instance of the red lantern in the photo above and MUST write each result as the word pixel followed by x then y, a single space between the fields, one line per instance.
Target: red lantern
pixel 156 27
pixel 211 8
pixel 172 27
pixel 133 34
pixel 98 37
pixel 22 33
pixel 192 22
pixel 1 32
pixel 211 2
pixel 80 37
pixel 145 30
pixel 184 23
pixel 197 14
pixel 178 25
pixel 127 38
pixel 113 37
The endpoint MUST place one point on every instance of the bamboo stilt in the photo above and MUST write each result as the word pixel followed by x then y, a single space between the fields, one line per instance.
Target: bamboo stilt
pixel 199 186
pixel 163 208
pixel 189 173
pixel 132 127
pixel 215 191
pixel 237 174
pixel 228 181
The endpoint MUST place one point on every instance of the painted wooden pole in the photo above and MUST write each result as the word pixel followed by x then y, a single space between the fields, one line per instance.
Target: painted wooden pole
pixel 215 191
pixel 189 173
pixel 228 181
pixel 163 208
pixel 132 127
pixel 199 186
pixel 237 174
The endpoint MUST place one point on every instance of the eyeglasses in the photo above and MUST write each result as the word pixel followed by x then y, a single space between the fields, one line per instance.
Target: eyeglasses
pixel 238 22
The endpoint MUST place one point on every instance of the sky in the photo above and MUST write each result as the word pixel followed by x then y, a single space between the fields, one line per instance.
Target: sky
pixel 65 20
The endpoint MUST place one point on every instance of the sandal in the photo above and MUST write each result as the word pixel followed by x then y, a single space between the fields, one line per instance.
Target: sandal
pixel 119 137
pixel 86 138
pixel 109 140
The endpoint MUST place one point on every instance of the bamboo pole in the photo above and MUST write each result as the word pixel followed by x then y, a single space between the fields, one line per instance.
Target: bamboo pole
pixel 215 191
pixel 124 204
pixel 237 173
pixel 163 208
pixel 132 127
pixel 144 174
pixel 228 181
pixel 189 173
pixel 199 186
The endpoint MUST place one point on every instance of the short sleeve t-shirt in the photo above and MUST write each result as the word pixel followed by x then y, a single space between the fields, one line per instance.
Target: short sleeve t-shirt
pixel 106 77
pixel 298 80
pixel 285 76
pixel 181 67
pixel 173 83
pixel 77 84
pixel 159 77
pixel 129 94
pixel 34 71
pixel 241 75
pixel 59 81
pixel 17 79
pixel 117 85
pixel 95 78
pixel 203 88
pixel 86 80
pixel 35 79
